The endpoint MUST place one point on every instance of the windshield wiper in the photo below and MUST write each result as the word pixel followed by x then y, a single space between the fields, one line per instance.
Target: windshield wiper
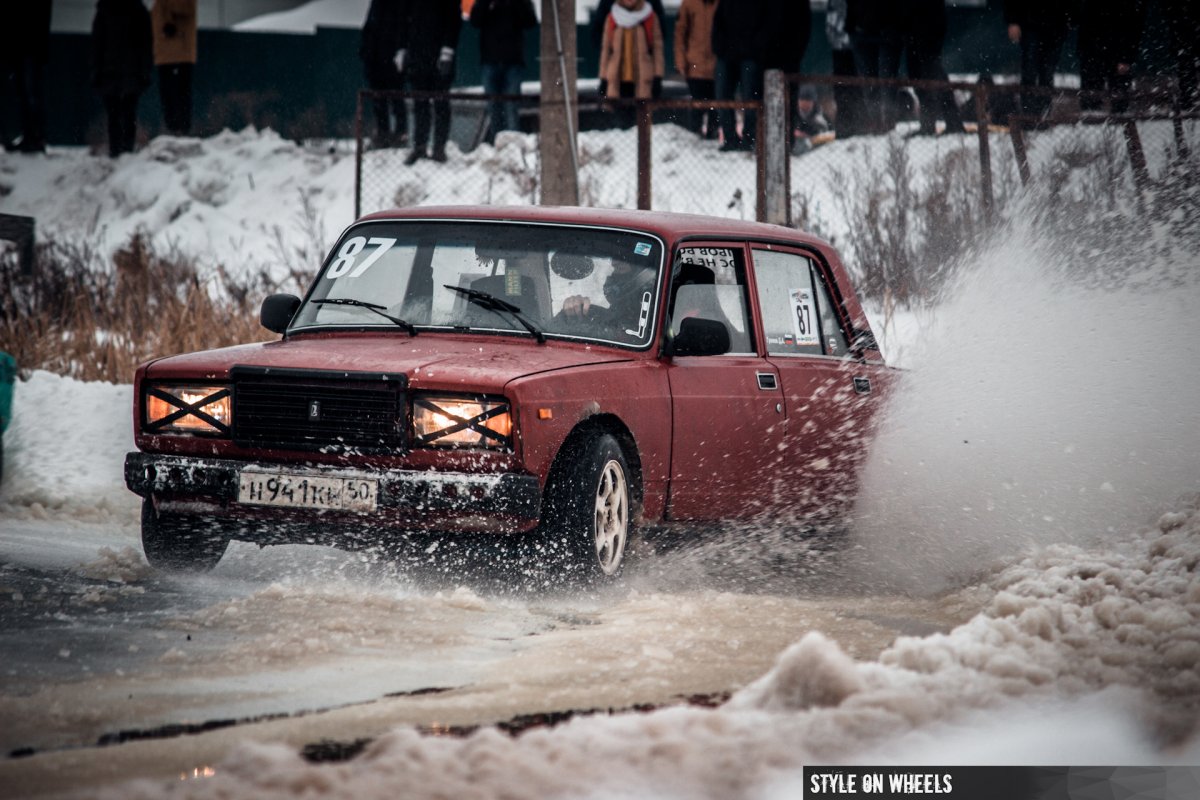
pixel 493 303
pixel 378 309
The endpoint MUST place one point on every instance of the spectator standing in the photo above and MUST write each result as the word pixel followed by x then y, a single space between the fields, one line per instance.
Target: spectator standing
pixel 740 37
pixel 604 7
pixel 876 29
pixel 847 99
pixel 1110 36
pixel 122 62
pixel 383 42
pixel 24 51
pixel 502 25
pixel 923 42
pixel 431 28
pixel 1182 19
pixel 695 60
pixel 1040 27
pixel 632 61
pixel 174 26
pixel 788 31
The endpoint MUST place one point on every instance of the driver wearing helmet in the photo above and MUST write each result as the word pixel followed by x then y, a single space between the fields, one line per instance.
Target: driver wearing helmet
pixel 628 291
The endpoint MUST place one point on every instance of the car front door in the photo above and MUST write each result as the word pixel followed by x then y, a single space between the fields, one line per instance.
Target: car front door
pixel 727 410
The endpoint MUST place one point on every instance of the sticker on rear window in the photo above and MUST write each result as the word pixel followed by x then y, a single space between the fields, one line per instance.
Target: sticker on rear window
pixel 803 318
pixel 642 248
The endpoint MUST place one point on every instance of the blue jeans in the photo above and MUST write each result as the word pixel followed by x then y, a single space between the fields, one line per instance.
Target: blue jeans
pixel 503 79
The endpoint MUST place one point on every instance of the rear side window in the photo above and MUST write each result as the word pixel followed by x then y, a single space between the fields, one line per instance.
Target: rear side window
pixel 710 282
pixel 798 313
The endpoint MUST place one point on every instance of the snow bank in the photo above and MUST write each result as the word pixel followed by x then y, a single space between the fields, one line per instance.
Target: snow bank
pixel 64 452
pixel 1100 644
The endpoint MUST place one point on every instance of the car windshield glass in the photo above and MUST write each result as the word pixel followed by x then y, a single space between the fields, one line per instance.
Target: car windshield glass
pixel 572 282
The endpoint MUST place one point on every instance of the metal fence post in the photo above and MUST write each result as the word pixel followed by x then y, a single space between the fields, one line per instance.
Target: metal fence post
pixel 1137 157
pixel 775 149
pixel 643 155
pixel 983 117
pixel 358 154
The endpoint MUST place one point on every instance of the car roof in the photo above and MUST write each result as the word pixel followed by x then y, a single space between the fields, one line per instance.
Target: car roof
pixel 669 225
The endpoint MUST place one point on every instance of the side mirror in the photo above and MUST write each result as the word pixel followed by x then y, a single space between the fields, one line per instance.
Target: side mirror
pixel 277 312
pixel 701 337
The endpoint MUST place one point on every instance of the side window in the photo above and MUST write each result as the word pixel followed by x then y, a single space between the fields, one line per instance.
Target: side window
pixel 798 313
pixel 710 282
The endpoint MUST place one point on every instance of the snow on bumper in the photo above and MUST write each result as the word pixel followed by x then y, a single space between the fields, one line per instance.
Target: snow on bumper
pixel 413 494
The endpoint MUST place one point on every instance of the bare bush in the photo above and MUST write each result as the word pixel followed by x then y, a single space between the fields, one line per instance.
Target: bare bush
pixel 96 319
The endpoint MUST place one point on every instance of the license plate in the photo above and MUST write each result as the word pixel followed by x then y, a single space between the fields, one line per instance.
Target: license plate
pixel 307 491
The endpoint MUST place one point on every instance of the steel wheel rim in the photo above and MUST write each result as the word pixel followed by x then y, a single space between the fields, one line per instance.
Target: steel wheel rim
pixel 612 517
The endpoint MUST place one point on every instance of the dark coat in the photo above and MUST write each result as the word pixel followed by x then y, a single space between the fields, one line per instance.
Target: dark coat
pixel 430 25
pixel 25 32
pixel 502 25
pixel 876 17
pixel 790 27
pixel 742 30
pixel 1041 14
pixel 383 33
pixel 1112 28
pixel 122 48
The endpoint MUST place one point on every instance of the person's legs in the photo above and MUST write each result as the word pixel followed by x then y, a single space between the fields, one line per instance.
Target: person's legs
pixel 441 118
pixel 726 86
pixel 512 86
pixel 702 89
pixel 422 81
pixel 31 82
pixel 492 78
pixel 750 79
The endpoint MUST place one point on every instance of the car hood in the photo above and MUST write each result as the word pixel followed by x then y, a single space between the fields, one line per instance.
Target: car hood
pixel 429 360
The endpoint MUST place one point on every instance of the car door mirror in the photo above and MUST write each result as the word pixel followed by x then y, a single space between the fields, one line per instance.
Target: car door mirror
pixel 700 337
pixel 277 312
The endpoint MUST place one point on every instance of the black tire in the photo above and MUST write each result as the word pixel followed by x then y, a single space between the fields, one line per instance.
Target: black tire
pixel 179 543
pixel 588 514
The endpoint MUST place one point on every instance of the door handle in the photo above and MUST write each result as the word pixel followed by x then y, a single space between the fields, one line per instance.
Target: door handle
pixel 767 381
pixel 862 384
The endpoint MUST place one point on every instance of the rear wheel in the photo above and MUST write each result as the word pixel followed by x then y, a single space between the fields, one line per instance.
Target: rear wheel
pixel 588 514
pixel 180 543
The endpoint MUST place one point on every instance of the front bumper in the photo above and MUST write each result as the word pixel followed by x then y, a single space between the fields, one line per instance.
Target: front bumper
pixel 414 499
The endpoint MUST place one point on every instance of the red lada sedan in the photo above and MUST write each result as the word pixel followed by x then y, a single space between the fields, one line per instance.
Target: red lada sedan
pixel 567 374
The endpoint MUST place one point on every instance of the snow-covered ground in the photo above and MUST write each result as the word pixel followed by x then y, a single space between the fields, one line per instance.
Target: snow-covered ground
pixel 1042 458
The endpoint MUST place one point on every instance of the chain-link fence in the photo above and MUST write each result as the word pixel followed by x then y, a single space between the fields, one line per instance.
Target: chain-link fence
pixel 897 205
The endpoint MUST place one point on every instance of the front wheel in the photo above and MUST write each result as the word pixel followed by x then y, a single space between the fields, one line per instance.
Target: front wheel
pixel 589 508
pixel 179 543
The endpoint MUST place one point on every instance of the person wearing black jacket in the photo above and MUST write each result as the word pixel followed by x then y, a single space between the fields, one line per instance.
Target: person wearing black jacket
pixel 876 29
pixel 1110 36
pixel 502 25
pixel 122 63
pixel 24 51
pixel 382 39
pixel 431 30
pixel 1040 27
pixel 923 40
pixel 741 34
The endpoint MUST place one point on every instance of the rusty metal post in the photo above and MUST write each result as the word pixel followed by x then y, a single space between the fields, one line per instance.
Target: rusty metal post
pixel 358 154
pixel 985 153
pixel 644 161
pixel 773 155
pixel 1137 158
pixel 1018 141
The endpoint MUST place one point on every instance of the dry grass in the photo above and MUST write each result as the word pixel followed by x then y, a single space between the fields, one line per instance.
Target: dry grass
pixel 93 319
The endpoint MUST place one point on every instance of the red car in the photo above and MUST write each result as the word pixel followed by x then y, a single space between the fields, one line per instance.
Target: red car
pixel 562 373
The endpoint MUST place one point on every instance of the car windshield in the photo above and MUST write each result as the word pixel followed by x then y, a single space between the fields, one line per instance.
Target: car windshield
pixel 531 280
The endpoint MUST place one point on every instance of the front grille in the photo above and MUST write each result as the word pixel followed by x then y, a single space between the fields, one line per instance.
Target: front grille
pixel 318 410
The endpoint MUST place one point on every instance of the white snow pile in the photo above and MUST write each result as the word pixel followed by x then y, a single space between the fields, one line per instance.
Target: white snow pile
pixel 1115 632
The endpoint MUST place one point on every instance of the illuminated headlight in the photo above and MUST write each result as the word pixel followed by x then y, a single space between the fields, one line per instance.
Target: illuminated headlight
pixel 188 409
pixel 441 421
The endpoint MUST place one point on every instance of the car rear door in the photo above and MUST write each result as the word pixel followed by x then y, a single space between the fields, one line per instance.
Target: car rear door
pixel 727 410
pixel 830 397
